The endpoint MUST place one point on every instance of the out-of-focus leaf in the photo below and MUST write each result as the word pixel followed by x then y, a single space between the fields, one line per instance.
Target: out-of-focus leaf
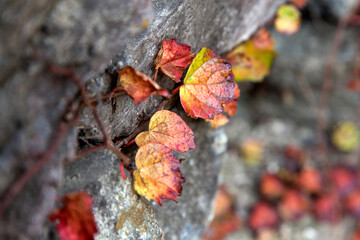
pixel 293 205
pixel 225 219
pixel 299 3
pixel 252 151
pixel 158 176
pixel 219 121
pixel 263 216
pixel 343 179
pixel 271 186
pixel 168 129
pixel 173 58
pixel 208 84
pixel 346 136
pixel 252 59
pixel 75 220
pixel 352 203
pixel 310 180
pixel 327 207
pixel 288 19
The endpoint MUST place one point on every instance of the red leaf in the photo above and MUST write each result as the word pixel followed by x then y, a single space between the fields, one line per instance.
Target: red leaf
pixel 343 179
pixel 310 180
pixel 293 205
pixel 75 218
pixel 299 3
pixel 295 153
pixel 327 208
pixel 354 85
pixel 263 216
pixel 173 58
pixel 353 203
pixel 138 85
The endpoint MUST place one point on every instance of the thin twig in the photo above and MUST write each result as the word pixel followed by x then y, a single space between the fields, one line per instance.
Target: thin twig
pixel 16 187
pixel 328 80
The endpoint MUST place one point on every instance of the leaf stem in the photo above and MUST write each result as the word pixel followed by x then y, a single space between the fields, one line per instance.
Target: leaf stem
pixel 173 92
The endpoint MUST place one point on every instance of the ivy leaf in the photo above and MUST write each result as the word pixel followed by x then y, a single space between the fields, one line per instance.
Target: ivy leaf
pixel 310 180
pixel 168 129
pixel 299 3
pixel 263 216
pixel 138 85
pixel 229 108
pixel 207 85
pixel 288 19
pixel 352 203
pixel 271 187
pixel 327 207
pixel 75 218
pixel 158 176
pixel 293 205
pixel 225 219
pixel 173 58
pixel 252 60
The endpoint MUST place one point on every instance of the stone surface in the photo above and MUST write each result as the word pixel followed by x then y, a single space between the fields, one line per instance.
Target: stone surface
pixel 19 21
pixel 85 36
pixel 335 9
pixel 119 212
pixel 26 134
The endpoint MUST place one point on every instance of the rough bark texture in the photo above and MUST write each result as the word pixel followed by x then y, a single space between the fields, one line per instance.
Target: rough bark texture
pixel 86 35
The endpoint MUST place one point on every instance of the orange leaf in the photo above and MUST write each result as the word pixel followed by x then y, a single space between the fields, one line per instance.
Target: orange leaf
pixel 222 226
pixel 168 129
pixel 207 85
pixel 158 176
pixel 288 19
pixel 271 186
pixel 173 58
pixel 75 218
pixel 138 85
pixel 225 219
pixel 252 59
pixel 218 121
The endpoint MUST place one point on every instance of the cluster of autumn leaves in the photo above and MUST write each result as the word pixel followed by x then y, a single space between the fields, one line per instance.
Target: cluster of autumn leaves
pixel 207 87
pixel 297 189
pixel 208 91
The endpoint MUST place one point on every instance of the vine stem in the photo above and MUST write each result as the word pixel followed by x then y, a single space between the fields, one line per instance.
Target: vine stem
pixel 173 92
pixel 156 73
pixel 16 187
pixel 328 79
